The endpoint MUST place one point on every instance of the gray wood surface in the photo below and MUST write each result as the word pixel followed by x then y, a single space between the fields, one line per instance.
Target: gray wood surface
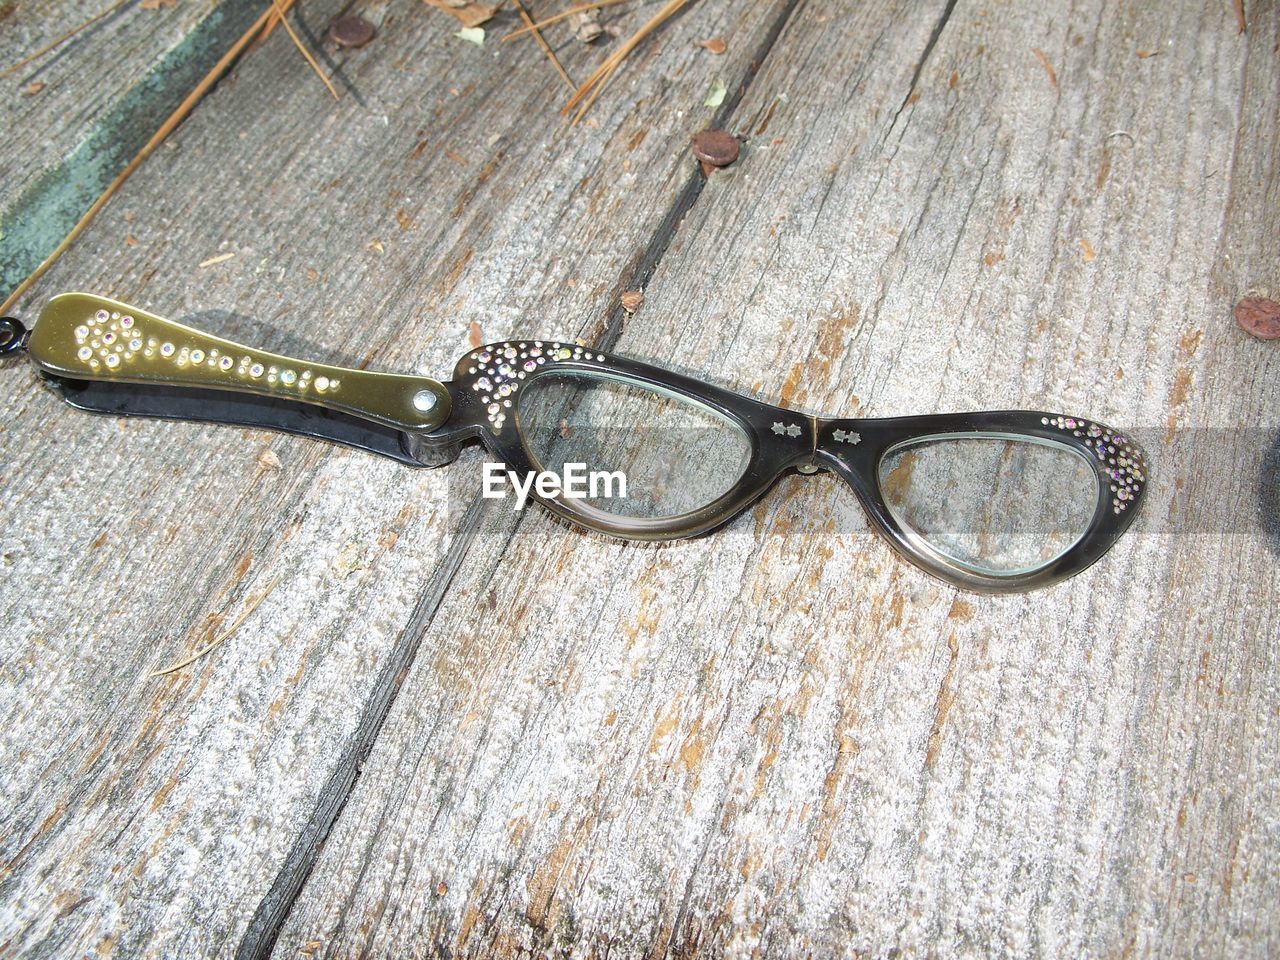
pixel 447 728
pixel 780 738
pixel 74 117
pixel 173 816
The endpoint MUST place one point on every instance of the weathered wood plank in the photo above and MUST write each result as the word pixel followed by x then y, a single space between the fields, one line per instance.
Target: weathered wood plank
pixel 76 116
pixel 154 816
pixel 782 739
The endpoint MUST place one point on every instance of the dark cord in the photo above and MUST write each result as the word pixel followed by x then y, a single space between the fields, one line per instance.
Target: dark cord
pixel 13 336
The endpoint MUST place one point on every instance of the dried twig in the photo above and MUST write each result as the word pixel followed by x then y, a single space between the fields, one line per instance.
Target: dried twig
pixel 594 85
pixel 157 138
pixel 297 42
pixel 579 8
pixel 252 606
pixel 537 35
pixel 63 39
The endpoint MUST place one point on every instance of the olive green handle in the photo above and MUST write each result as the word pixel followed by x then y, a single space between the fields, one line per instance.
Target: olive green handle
pixel 85 337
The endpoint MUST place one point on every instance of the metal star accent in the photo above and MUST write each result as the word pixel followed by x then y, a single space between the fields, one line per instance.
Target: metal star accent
pixel 778 428
pixel 842 436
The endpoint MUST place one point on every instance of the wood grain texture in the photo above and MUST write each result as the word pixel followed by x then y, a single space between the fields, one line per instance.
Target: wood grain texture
pixel 782 739
pixel 167 816
pixel 77 115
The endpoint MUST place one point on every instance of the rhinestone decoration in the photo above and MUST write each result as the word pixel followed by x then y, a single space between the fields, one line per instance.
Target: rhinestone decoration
pixel 1119 459
pixel 846 436
pixel 108 342
pixel 495 372
pixel 791 429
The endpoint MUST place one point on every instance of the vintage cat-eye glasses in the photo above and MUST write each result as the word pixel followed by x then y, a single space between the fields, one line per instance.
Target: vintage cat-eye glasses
pixel 994 501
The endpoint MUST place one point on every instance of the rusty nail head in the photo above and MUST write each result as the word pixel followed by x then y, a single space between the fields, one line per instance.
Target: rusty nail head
pixel 351 31
pixel 715 147
pixel 1260 317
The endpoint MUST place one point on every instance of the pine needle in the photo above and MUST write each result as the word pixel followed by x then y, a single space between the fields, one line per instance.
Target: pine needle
pixel 1048 67
pixel 63 39
pixel 212 261
pixel 594 85
pixel 533 27
pixel 297 42
pixel 537 35
pixel 166 128
pixel 252 606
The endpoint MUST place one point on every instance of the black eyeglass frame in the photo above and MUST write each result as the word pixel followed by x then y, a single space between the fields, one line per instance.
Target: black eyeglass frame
pixel 852 448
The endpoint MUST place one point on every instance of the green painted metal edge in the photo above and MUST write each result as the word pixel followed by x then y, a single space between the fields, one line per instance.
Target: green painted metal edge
pixel 38 219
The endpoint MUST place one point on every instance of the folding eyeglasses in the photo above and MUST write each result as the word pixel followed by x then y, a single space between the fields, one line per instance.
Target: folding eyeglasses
pixel 997 501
